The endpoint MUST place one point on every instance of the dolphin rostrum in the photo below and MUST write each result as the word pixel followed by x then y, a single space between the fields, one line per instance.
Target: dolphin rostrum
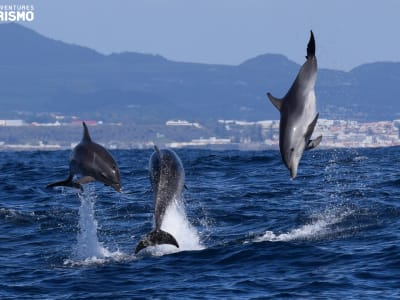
pixel 167 178
pixel 93 162
pixel 298 113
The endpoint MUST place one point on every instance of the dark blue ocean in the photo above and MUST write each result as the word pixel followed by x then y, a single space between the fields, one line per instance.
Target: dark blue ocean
pixel 246 230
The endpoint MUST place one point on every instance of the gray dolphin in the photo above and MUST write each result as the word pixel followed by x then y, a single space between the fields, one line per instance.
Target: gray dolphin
pixel 93 162
pixel 167 178
pixel 298 113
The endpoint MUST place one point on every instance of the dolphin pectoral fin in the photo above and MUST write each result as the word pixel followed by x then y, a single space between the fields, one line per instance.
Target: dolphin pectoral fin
pixel 313 143
pixel 310 128
pixel 275 101
pixel 156 237
pixel 68 182
pixel 85 179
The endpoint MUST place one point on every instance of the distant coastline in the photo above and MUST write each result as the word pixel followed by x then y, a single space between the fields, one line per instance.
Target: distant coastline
pixel 18 135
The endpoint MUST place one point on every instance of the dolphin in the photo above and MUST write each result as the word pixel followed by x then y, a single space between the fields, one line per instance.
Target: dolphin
pixel 167 178
pixel 298 113
pixel 93 162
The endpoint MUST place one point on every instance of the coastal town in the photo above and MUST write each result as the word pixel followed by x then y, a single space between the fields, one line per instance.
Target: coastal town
pixel 222 134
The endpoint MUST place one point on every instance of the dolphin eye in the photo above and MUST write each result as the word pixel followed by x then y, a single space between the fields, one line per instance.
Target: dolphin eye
pixel 291 149
pixel 114 169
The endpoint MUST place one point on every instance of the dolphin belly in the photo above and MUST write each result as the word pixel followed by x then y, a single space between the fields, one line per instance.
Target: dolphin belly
pixel 298 113
pixel 167 178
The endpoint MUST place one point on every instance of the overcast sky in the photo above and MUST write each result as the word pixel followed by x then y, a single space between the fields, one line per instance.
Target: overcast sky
pixel 348 32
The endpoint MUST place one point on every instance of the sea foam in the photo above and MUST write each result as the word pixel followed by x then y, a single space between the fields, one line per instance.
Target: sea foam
pixel 176 223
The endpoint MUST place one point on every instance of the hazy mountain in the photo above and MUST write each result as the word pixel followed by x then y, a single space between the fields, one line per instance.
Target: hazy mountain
pixel 41 74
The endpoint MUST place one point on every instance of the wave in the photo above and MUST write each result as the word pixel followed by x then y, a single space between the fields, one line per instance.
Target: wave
pixel 321 227
pixel 18 217
pixel 106 257
pixel 103 257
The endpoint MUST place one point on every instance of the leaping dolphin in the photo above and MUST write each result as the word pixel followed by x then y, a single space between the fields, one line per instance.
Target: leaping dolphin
pixel 298 113
pixel 167 178
pixel 93 162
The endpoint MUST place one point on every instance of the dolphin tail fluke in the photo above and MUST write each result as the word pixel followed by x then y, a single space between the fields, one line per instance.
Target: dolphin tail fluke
pixel 275 101
pixel 68 182
pixel 156 237
pixel 311 47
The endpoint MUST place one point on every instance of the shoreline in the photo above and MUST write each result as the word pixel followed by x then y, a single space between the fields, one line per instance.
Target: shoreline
pixel 226 147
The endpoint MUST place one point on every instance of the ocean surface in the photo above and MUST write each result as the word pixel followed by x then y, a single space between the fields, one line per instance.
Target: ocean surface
pixel 246 230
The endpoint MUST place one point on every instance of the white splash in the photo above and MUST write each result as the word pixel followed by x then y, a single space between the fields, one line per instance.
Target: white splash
pixel 319 228
pixel 176 223
pixel 88 243
pixel 89 250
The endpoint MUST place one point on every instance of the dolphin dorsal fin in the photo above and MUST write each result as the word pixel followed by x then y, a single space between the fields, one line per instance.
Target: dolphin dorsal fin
pixel 86 135
pixel 311 47
pixel 157 149
pixel 275 101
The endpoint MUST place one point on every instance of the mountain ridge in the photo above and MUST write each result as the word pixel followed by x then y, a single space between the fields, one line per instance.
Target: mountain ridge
pixel 43 74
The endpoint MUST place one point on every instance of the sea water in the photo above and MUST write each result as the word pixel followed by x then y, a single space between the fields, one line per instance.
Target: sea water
pixel 246 231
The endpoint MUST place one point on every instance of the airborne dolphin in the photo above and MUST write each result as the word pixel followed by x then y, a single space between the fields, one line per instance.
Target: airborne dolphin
pixel 93 162
pixel 298 113
pixel 167 178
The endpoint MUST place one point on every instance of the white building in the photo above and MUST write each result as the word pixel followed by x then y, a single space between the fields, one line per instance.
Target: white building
pixel 12 123
pixel 182 123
